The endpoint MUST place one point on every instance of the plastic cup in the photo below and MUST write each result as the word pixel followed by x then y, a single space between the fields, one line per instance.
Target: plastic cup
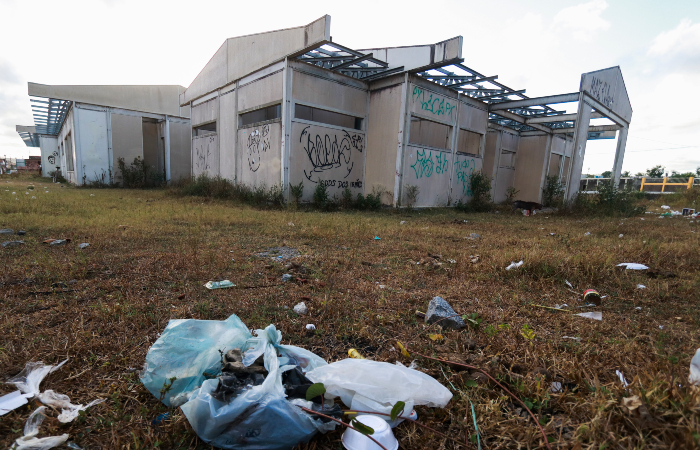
pixel 354 440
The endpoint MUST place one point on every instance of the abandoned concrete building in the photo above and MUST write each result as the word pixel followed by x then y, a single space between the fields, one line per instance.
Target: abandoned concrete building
pixel 292 106
pixel 83 130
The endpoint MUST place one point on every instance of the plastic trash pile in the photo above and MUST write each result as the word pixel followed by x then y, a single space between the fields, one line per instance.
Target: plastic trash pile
pixel 240 390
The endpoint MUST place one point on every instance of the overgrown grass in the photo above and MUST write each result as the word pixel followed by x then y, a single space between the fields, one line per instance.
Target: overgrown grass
pixel 151 252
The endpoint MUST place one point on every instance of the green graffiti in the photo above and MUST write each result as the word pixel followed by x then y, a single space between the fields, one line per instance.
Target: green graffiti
pixel 424 165
pixel 438 106
pixel 442 163
pixel 464 170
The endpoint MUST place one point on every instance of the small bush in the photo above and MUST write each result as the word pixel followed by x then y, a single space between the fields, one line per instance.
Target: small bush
pixel 480 184
pixel 552 192
pixel 223 189
pixel 346 199
pixel 320 197
pixel 139 175
pixel 511 192
pixel 412 192
pixel 297 191
pixel 608 201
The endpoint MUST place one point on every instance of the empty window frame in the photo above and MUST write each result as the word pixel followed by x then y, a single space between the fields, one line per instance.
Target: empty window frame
pixel 203 130
pixel 507 160
pixel 312 114
pixel 427 133
pixel 69 153
pixel 260 115
pixel 469 142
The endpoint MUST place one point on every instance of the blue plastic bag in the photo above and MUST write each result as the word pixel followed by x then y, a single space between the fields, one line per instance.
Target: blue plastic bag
pixel 260 417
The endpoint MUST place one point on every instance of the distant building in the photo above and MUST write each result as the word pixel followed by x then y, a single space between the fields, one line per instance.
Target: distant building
pixel 292 106
pixel 83 130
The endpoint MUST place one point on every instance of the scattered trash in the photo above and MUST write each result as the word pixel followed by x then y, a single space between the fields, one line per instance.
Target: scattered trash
pixel 69 411
pixel 621 376
pixel 382 286
pixel 286 277
pixel 694 377
pixel 7 230
pixel 441 311
pixel 638 308
pixel 420 314
pixel 354 440
pixel 355 354
pixel 73 445
pixel 452 261
pixel 56 241
pixel 21 233
pixel 83 245
pixel 633 266
pixel 403 222
pixel 160 418
pixel 621 235
pixel 641 286
pixel 514 265
pixel 260 410
pixel 591 315
pixel 571 337
pixel 631 403
pixel 688 211
pixel 11 401
pixel 310 326
pixel 435 337
pixel 301 309
pixel 291 224
pixel 219 284
pixel 556 387
pixel 12 243
pixel 562 306
pixel 376 238
pixel 587 233
pixel 592 296
pixel 474 259
pixel 665 207
pixel 92 195
pixel 568 284
pixel 31 428
pixel 413 365
pixel 474 236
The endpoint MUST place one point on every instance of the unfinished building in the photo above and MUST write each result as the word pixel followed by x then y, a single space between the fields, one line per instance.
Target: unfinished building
pixel 84 130
pixel 291 106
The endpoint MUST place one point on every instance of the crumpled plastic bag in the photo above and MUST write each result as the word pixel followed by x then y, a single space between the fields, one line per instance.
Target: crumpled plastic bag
pixel 694 377
pixel 366 385
pixel 28 380
pixel 258 418
pixel 69 411
pixel 31 428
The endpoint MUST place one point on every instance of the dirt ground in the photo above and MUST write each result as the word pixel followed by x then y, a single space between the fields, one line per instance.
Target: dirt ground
pixel 151 253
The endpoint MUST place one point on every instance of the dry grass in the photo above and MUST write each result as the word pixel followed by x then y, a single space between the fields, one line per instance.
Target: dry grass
pixel 149 248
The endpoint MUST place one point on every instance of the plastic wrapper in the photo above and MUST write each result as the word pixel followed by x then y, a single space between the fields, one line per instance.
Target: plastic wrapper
pixel 31 428
pixel 260 417
pixel 366 385
pixel 28 380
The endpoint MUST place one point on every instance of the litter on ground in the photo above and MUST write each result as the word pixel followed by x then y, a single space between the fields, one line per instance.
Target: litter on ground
pixel 219 284
pixel 514 265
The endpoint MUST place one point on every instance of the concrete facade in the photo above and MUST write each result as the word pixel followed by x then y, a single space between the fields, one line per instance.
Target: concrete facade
pixel 268 110
pixel 101 124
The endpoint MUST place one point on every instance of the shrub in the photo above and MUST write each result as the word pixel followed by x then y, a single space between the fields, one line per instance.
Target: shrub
pixel 480 184
pixel 511 192
pixel 346 199
pixel 223 189
pixel 320 197
pixel 138 174
pixel 608 201
pixel 297 192
pixel 412 192
pixel 552 192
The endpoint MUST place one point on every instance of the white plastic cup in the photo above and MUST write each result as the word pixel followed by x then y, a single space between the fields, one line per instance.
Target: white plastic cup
pixel 354 440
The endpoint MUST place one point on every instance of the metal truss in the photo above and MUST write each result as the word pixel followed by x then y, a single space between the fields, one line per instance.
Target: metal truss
pixel 363 66
pixel 30 139
pixel 49 114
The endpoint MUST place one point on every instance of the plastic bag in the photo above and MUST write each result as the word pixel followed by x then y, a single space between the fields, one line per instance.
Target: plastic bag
pixel 31 428
pixel 366 385
pixel 69 411
pixel 28 380
pixel 260 417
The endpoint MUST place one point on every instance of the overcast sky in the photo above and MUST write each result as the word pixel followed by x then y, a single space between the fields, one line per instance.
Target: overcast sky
pixel 543 46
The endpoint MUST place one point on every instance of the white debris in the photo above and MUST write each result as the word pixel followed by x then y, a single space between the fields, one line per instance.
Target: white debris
pixel 665 207
pixel 310 326
pixel 11 401
pixel 638 308
pixel 30 377
pixel 301 309
pixel 633 266
pixel 591 315
pixel 568 284
pixel 556 387
pixel 622 378
pixel 69 411
pixel 587 233
pixel 571 337
pixel 621 235
pixel 694 377
pixel 402 222
pixel 641 286
pixel 291 224
pixel 31 428
pixel 514 265
pixel 83 245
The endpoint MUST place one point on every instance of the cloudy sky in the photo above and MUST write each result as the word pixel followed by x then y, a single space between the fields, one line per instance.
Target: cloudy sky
pixel 543 46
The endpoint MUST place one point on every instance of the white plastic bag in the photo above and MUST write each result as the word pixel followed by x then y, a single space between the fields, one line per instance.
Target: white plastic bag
pixel 694 377
pixel 28 380
pixel 69 410
pixel 31 428
pixel 366 385
pixel 258 418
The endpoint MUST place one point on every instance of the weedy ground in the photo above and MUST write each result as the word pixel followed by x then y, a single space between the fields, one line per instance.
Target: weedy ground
pixel 151 253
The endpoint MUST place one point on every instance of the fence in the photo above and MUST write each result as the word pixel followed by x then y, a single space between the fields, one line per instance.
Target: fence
pixel 651 185
pixel 687 184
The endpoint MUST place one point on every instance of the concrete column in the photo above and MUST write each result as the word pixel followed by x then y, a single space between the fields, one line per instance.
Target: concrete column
pixel 619 155
pixel 166 142
pixel 583 118
pixel 545 165
pixel 404 128
pixel 496 161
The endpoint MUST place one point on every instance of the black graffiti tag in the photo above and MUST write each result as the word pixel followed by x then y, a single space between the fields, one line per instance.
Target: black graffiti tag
pixel 258 140
pixel 326 153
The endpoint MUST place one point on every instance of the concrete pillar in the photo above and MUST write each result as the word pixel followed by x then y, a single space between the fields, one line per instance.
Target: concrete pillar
pixel 166 142
pixel 496 161
pixel 545 165
pixel 583 118
pixel 619 155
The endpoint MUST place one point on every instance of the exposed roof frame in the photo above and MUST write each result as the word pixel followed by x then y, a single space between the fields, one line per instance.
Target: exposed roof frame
pixel 363 66
pixel 49 115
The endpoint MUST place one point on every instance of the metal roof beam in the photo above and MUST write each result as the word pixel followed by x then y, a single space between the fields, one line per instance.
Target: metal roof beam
pixel 382 74
pixel 537 101
pixel 353 61
pixel 501 95
pixel 519 119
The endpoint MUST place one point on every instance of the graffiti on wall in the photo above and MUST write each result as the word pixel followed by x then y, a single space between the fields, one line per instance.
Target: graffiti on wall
pixel 432 102
pixel 203 154
pixel 464 170
pixel 258 141
pixel 52 157
pixel 327 150
pixel 602 91
pixel 426 164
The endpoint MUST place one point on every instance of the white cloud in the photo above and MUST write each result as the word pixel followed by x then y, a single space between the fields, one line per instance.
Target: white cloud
pixel 583 21
pixel 679 47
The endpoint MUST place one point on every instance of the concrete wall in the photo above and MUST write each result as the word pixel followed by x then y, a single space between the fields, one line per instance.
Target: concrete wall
pixel 348 97
pixel 382 139
pixel 49 154
pixel 227 126
pixel 67 131
pixel 205 155
pixel 92 146
pixel 258 154
pixel 127 141
pixel 180 150
pixel 264 91
pixel 153 154
pixel 430 170
pixel 205 112
pixel 532 151
pixel 463 168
